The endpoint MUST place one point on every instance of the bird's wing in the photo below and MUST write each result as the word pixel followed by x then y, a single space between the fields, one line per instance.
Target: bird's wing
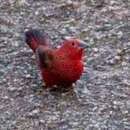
pixel 44 57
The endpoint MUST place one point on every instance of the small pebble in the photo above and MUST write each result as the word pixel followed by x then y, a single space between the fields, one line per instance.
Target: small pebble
pixel 119 51
pixel 95 49
pixel 118 58
pixel 69 2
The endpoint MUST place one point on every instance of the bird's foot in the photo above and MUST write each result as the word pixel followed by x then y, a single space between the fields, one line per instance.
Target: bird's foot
pixel 61 89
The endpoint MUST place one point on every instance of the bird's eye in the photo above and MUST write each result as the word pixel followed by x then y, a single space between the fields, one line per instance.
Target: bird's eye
pixel 73 43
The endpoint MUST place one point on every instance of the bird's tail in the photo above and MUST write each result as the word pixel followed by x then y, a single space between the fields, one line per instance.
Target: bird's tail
pixel 34 38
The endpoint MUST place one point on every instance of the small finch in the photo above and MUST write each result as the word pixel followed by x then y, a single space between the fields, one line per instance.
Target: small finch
pixel 59 66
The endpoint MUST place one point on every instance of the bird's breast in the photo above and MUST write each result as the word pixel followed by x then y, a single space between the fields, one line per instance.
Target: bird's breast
pixel 63 71
pixel 68 70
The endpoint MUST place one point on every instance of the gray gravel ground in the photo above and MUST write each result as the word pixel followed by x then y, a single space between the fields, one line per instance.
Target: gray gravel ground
pixel 100 100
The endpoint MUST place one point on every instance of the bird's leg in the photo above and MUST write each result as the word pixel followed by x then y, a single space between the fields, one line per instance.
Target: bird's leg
pixel 62 89
pixel 54 88
pixel 66 88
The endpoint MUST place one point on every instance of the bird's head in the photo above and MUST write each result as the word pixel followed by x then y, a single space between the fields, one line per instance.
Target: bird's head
pixel 74 48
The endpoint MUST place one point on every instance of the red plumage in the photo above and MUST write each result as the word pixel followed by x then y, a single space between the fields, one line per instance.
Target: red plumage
pixel 62 66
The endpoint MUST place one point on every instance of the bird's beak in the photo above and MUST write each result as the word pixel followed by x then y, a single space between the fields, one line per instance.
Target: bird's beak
pixel 83 44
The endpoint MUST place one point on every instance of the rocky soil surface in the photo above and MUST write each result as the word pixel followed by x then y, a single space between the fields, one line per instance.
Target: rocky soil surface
pixel 100 100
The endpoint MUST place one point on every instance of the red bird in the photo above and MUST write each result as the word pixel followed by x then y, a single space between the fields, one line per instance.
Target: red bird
pixel 59 66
